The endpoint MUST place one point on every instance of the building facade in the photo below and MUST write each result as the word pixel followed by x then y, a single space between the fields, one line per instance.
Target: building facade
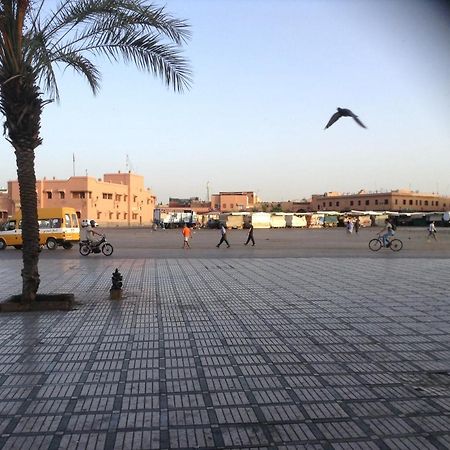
pixel 5 205
pixel 119 199
pixel 401 200
pixel 233 201
pixel 193 203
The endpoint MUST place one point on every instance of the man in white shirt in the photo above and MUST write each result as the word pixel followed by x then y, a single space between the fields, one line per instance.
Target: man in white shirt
pixel 223 233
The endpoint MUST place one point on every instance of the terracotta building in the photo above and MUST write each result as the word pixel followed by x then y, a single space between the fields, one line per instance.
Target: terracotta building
pixel 5 205
pixel 233 201
pixel 192 203
pixel 401 200
pixel 119 199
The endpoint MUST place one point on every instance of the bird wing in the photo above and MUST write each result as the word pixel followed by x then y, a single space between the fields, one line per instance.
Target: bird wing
pixel 358 121
pixel 333 119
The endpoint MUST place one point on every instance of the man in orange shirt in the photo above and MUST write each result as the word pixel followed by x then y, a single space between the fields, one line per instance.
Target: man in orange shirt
pixel 186 234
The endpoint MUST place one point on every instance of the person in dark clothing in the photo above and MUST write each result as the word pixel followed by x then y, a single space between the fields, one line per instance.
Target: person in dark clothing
pixel 250 236
pixel 357 225
pixel 223 238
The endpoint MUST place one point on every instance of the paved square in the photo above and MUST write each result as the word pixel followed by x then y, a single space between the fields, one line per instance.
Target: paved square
pixel 232 353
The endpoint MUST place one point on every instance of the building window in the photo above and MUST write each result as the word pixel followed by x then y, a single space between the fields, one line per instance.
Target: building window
pixel 110 215
pixel 118 197
pixel 417 202
pixel 107 196
pixel 351 202
pixel 125 198
pixel 324 204
pixel 330 203
pixel 410 202
pixel 426 202
pixel 135 216
pixel 134 198
pixel 231 205
pixel 125 216
pixel 367 202
pixel 337 203
pixel 437 203
pixel 376 201
pixel 404 202
pixel 78 194
pixel 62 195
pixel 99 215
pixel 432 202
pixel 420 202
pixel 224 205
pixel 359 202
pixel 118 216
pixel 49 195
pixel 386 201
pixel 396 201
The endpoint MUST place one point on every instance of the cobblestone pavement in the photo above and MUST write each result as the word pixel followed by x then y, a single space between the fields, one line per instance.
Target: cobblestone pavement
pixel 286 353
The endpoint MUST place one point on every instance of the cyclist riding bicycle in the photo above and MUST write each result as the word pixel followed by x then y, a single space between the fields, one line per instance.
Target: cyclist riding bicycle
pixel 388 231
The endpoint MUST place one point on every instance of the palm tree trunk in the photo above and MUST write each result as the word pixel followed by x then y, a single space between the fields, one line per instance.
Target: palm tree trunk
pixel 22 106
pixel 30 227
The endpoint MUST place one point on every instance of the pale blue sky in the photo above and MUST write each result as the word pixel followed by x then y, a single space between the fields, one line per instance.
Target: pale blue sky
pixel 268 74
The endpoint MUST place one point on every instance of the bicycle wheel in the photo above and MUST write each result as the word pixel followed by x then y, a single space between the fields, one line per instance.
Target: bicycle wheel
pixel 396 245
pixel 107 249
pixel 375 245
pixel 85 250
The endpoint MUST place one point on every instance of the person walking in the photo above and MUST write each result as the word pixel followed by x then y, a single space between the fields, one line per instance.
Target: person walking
pixel 186 235
pixel 432 231
pixel 223 238
pixel 357 225
pixel 250 236
pixel 349 226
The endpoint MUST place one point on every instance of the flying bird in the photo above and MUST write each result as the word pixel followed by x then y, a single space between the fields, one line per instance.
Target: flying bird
pixel 343 112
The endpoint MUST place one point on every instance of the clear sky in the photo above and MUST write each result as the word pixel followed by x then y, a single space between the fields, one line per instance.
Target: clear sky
pixel 267 76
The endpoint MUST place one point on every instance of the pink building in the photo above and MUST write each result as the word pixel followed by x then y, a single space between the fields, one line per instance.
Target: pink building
pixel 5 205
pixel 233 201
pixel 120 199
pixel 401 200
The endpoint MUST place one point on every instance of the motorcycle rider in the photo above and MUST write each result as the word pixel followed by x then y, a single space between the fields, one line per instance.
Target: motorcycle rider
pixel 90 233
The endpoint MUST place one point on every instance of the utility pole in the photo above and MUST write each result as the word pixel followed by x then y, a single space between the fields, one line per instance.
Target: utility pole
pixel 207 191
pixel 73 163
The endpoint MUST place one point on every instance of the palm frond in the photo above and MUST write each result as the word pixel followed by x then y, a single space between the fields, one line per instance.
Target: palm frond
pixel 115 14
pixel 137 32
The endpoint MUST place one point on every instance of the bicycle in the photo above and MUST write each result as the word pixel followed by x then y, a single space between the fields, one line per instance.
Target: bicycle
pixel 394 244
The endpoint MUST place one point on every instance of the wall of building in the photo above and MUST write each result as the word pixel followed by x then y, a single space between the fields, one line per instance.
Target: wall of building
pixel 118 200
pixel 5 205
pixel 399 200
pixel 233 201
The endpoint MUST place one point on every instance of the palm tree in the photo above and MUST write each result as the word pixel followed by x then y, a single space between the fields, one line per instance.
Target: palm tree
pixel 35 40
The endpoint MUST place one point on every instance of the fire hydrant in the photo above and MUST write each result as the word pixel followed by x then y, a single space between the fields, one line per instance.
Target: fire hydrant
pixel 115 293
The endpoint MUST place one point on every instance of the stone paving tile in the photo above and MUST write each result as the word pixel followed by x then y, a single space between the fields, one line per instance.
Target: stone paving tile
pixel 286 353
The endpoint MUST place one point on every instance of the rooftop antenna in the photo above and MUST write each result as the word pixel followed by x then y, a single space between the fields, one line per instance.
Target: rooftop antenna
pixel 128 164
pixel 73 163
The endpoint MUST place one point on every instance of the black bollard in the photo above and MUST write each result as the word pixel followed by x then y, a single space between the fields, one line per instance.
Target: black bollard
pixel 115 293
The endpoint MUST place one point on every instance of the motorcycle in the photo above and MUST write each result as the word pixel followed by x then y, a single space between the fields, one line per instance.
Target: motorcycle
pixel 102 246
